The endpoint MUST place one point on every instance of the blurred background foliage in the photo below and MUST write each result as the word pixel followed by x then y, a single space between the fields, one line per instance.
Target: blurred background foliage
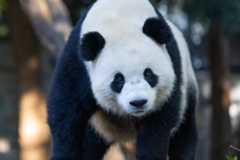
pixel 3 27
pixel 223 11
pixel 3 4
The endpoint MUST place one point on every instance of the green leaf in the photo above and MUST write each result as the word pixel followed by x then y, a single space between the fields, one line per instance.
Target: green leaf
pixel 3 5
pixel 232 157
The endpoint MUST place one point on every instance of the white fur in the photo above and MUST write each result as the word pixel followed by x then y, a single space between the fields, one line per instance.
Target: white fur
pixel 129 51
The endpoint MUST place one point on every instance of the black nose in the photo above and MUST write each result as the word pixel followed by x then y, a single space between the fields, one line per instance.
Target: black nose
pixel 138 103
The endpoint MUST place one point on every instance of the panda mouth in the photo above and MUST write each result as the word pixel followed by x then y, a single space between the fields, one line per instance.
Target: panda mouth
pixel 138 113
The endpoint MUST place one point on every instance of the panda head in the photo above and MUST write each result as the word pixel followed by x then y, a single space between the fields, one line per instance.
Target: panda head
pixel 130 72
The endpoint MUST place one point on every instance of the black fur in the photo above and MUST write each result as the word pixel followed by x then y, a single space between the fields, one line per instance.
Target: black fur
pixel 157 29
pixel 71 103
pixel 183 143
pixel 118 83
pixel 150 77
pixel 91 45
pixel 94 147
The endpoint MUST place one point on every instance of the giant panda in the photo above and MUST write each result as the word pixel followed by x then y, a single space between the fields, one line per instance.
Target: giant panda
pixel 125 75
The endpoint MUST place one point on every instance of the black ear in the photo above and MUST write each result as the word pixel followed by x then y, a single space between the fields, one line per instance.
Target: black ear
pixel 91 45
pixel 157 29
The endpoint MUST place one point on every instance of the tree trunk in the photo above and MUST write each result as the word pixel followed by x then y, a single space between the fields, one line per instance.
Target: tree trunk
pixel 219 72
pixel 33 130
pixel 50 20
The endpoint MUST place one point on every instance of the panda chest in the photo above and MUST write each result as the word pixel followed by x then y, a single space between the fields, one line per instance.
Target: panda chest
pixel 113 129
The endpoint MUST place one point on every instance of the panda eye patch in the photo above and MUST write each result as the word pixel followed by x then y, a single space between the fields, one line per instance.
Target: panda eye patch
pixel 118 82
pixel 150 77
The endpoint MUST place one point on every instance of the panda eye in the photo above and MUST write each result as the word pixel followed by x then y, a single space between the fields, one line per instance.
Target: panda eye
pixel 118 82
pixel 150 77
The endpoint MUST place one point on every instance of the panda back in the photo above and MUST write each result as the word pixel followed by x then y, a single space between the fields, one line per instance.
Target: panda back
pixel 189 82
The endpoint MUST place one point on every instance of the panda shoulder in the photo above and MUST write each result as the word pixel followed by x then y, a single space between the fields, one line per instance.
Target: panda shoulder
pixel 187 67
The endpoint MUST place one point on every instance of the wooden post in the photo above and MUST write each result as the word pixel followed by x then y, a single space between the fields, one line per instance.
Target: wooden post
pixel 219 72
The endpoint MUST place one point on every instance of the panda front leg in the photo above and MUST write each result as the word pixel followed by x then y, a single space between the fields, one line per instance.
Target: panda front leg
pixel 70 106
pixel 67 137
pixel 183 143
pixel 94 146
pixel 154 131
pixel 70 103
pixel 153 140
